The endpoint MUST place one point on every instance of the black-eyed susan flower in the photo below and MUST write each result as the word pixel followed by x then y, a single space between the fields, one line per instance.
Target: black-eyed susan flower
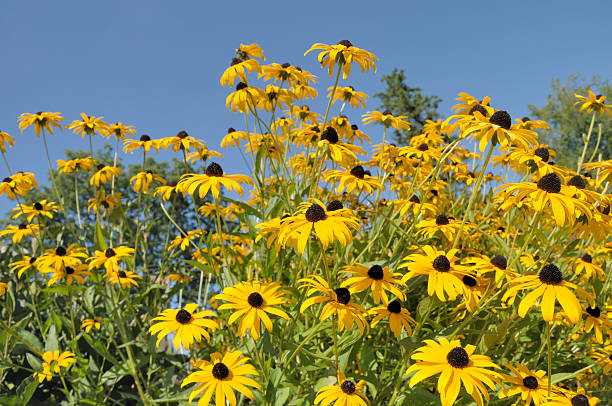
pixel 497 263
pixel 345 393
pixel 238 69
pixel 125 278
pixel 234 138
pixel 186 324
pixel 353 179
pixel 586 269
pixel 376 278
pixel 532 386
pixel 110 258
pixel 211 180
pixel 182 241
pixel 328 225
pixel 550 286
pixel 145 143
pixel 181 141
pixel 498 128
pixel 42 208
pixel 251 302
pixel 603 356
pixel 245 98
pixel 340 152
pixel 142 180
pixel 593 103
pixel 277 98
pixel 23 265
pixel 203 154
pixel 89 125
pixel 20 231
pixel 119 130
pixel 349 95
pixel 76 164
pixel 165 192
pixel 387 119
pixel 456 365
pixel 250 51
pixel 108 201
pixel 337 301
pixel 224 374
pixel 70 274
pixel 442 224
pixel 15 185
pixel 53 361
pixel 473 289
pixel 284 72
pixel 88 324
pixel 598 320
pixel 103 175
pixel 5 139
pixel 344 53
pixel 40 120
pixel 570 398
pixel 444 274
pixel 399 317
pixel 61 257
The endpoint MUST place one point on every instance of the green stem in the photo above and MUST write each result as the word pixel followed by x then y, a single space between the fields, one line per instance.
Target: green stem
pixel 586 143
pixel 76 200
pixel 549 358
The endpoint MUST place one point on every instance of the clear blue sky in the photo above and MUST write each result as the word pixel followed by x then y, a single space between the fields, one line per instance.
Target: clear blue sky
pixel 156 64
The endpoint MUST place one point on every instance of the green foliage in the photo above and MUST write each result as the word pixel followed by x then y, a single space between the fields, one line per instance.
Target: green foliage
pixel 404 100
pixel 567 124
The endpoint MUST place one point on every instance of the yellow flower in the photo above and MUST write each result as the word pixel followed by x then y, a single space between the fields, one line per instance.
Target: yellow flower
pixel 3 288
pixel 41 121
pixel 212 181
pixel 20 231
pixel 284 72
pixel 89 125
pixel 119 131
pixel 442 223
pixel 531 385
pixel 61 257
pixel 594 102
pixel 376 278
pixel 89 323
pixel 69 273
pixel 5 139
pixel 182 141
pixel 165 192
pixel 234 138
pixel 456 365
pixel 238 69
pixel 346 393
pixel 185 323
pixel 110 258
pixel 570 398
pixel 76 164
pixel 550 286
pixel 103 175
pixel 345 54
pixel 387 119
pixel 250 51
pixel 103 200
pixel 52 362
pixel 399 317
pixel 331 223
pixel 145 142
pixel 498 129
pixel 348 95
pixel 23 265
pixel 125 278
pixel 42 208
pixel 355 179
pixel 221 377
pixel 251 302
pixel 142 180
pixel 18 184
pixel 245 98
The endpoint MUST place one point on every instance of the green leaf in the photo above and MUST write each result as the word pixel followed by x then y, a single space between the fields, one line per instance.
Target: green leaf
pixel 34 361
pixel 30 339
pixel 52 343
pixel 26 390
pixel 101 349
pixel 100 241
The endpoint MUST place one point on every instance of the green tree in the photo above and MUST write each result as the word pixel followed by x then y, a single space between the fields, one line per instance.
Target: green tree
pixel 568 124
pixel 403 100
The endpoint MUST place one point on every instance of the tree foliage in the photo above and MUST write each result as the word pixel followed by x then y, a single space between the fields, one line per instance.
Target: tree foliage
pixel 567 124
pixel 405 100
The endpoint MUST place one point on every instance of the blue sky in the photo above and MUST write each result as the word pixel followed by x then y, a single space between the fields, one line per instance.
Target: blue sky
pixel 156 64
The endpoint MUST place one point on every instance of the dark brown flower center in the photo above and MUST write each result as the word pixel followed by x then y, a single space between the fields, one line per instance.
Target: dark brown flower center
pixel 38 206
pixel 387 112
pixel 255 299
pixel 69 270
pixel 550 183
pixel 7 180
pixel 441 220
pixel 414 199
pixel 595 312
pixel 550 275
pixel 343 295
pixel 214 169
pixel 220 371
pixel 60 251
pixel 577 181
pixel 376 272
pixel 235 61
pixel 145 138
pixel 109 253
pixel 182 134
pixel 441 264
pixel 499 261
pixel 423 147
pixel 580 400
pixel 469 281
pixel 334 205
pixel 100 167
pixel 458 358
pixel 394 307
pixel 32 260
pixel 587 258
pixel 502 119
pixel 183 316
pixel 330 134
pixel 315 213
pixel 530 382
pixel 479 109
pixel 346 43
pixel 348 387
pixel 122 274
pixel 22 226
pixel 543 153
pixel 241 86
pixel 358 172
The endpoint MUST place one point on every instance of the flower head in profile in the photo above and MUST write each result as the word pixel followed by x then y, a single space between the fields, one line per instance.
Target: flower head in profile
pixel 456 365
pixel 550 286
pixel 387 119
pixel 344 53
pixel 142 180
pixel 593 103
pixel 330 223
pixel 186 324
pixel 211 180
pixel 224 374
pixel 182 142
pixel 61 257
pixel 376 278
pixel 3 288
pixel 5 139
pixel 103 175
pixel 41 121
pixel 89 125
pixel 237 71
pixel 43 208
pixel 399 317
pixel 53 361
pixel 75 165
pixel 144 142
pixel 349 95
pixel 24 264
pixel 119 130
pixel 88 324
pixel 124 278
pixel 346 392
pixel 18 184
pixel 571 398
pixel 354 179
pixel 70 274
pixel 108 201
pixel 251 302
pixel 245 98
pixel 20 231
pixel 110 258
pixel 250 51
